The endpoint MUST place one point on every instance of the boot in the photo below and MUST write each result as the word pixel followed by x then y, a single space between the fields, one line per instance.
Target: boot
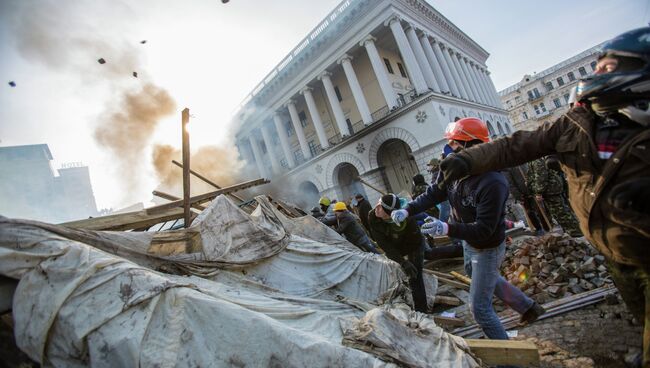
pixel 532 313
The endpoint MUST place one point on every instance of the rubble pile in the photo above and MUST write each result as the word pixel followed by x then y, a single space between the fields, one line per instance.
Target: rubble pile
pixel 554 266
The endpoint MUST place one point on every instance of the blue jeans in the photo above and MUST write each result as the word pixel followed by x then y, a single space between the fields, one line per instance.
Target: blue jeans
pixel 482 265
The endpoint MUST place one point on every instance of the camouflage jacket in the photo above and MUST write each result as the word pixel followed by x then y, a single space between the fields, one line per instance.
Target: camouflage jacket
pixel 542 180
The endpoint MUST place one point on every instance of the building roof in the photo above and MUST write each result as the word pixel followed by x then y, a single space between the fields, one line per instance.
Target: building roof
pixel 29 151
pixel 553 69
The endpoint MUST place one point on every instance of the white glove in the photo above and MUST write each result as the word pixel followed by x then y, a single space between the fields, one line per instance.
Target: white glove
pixel 399 216
pixel 432 226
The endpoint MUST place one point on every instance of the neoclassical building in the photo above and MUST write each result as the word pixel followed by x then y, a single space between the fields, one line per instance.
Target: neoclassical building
pixel 544 96
pixel 366 94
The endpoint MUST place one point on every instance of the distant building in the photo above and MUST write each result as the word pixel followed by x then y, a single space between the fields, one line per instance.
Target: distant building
pixel 366 94
pixel 545 96
pixel 30 188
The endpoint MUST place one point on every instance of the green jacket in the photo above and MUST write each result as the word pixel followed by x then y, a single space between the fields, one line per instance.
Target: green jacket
pixel 621 235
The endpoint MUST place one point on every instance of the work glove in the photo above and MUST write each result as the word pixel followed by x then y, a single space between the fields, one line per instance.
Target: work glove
pixel 632 195
pixel 399 216
pixel 453 167
pixel 409 269
pixel 434 227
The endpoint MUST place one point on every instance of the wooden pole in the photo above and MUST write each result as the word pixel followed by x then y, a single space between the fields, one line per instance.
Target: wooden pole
pixel 170 197
pixel 370 185
pixel 186 166
pixel 208 181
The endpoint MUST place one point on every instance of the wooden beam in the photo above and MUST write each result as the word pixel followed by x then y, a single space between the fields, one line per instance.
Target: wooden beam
pixel 186 167
pixel 207 196
pixel 208 181
pixel 511 352
pixel 462 278
pixel 446 279
pixel 170 197
pixel 447 300
pixel 370 186
pixel 126 221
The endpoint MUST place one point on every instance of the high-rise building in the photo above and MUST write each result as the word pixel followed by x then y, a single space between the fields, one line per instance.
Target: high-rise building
pixel 544 96
pixel 30 188
pixel 366 94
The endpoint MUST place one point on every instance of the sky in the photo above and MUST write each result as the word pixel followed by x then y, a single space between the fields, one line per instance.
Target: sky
pixel 208 56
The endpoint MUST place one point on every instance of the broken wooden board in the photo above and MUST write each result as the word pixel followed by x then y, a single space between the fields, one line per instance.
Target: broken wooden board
pixel 511 352
pixel 169 243
pixel 446 279
pixel 126 221
pixel 447 300
pixel 449 321
pixel 462 278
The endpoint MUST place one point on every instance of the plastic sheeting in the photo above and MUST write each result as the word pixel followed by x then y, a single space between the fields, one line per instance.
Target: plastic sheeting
pixel 275 292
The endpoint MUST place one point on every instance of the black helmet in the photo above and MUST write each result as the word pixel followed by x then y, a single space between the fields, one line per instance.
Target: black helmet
pixel 316 211
pixel 629 83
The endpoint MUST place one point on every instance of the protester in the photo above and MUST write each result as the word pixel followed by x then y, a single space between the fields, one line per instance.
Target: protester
pixel 347 224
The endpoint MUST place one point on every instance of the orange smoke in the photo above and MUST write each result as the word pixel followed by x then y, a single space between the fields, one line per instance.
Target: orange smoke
pixel 218 164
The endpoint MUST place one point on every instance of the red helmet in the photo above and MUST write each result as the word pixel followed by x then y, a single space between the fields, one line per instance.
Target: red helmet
pixel 467 129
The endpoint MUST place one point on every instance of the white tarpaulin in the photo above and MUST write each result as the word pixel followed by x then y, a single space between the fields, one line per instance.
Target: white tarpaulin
pixel 275 291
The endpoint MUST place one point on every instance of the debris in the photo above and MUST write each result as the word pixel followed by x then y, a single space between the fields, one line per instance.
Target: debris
pixel 12 84
pixel 135 74
pixel 101 61
pixel 493 352
pixel 143 42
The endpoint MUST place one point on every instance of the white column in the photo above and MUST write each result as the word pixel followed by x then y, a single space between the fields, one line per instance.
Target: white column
pixel 488 86
pixel 266 135
pixel 357 92
pixel 481 79
pixel 474 72
pixel 380 72
pixel 334 103
pixel 412 66
pixel 284 140
pixel 454 72
pixel 431 58
pixel 421 59
pixel 463 78
pixel 445 68
pixel 315 117
pixel 493 89
pixel 300 133
pixel 258 156
pixel 463 64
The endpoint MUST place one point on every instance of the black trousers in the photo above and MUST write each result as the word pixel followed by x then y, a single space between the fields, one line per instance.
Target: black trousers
pixel 417 283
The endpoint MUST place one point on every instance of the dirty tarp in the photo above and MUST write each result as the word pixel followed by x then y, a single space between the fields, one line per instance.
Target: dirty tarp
pixel 76 305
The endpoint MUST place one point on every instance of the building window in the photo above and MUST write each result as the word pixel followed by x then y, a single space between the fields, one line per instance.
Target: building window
pixel 541 106
pixel 556 102
pixel 549 86
pixel 303 118
pixel 524 115
pixel 402 71
pixel 338 93
pixel 566 98
pixel 390 68
pixel 536 92
pixel 517 99
pixel 582 71
pixel 593 65
pixel 313 148
pixel 530 95
pixel 297 155
pixel 284 163
pixel 349 126
pixel 560 81
pixel 571 76
pixel 536 109
pixel 289 128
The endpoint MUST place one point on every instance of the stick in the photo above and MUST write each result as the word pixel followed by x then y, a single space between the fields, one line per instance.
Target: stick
pixel 370 185
pixel 186 167
pixel 208 181
pixel 170 197
pixel 460 277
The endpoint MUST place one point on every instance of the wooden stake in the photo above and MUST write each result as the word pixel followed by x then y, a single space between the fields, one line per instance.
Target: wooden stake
pixel 370 185
pixel 186 167
pixel 170 197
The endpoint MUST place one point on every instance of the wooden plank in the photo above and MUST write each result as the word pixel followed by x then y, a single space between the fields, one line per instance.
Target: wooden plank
pixel 126 221
pixel 170 197
pixel 511 352
pixel 205 197
pixel 449 321
pixel 447 300
pixel 444 278
pixel 464 279
pixel 175 242
pixel 185 120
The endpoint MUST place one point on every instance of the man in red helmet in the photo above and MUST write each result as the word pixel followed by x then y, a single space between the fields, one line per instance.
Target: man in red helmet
pixel 478 209
pixel 603 145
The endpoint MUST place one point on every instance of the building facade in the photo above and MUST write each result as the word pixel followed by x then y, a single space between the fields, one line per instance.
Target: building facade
pixel 31 189
pixel 367 94
pixel 545 96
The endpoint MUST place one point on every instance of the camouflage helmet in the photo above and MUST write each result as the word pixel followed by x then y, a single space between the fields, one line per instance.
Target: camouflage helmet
pixel 434 162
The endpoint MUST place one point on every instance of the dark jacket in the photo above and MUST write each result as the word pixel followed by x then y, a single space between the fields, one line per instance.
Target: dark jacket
pixel 478 207
pixel 348 225
pixel 364 208
pixel 516 177
pixel 396 241
pixel 621 235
